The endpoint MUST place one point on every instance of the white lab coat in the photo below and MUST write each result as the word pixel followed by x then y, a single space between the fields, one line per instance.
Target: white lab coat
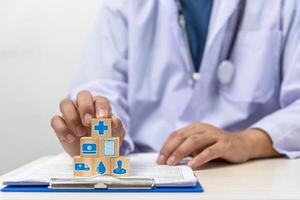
pixel 136 57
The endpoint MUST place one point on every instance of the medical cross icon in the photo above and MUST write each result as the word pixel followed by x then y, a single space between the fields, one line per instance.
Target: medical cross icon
pixel 101 128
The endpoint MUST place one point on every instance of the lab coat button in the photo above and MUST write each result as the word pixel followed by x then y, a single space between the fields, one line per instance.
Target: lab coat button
pixel 196 76
pixel 225 72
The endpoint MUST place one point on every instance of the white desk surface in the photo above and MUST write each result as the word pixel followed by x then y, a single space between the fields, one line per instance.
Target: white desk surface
pixel 260 179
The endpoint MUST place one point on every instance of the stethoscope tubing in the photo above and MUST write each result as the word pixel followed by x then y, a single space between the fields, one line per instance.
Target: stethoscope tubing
pixel 226 64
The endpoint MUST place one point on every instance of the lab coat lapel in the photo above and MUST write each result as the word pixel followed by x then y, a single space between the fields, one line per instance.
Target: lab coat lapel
pixel 222 10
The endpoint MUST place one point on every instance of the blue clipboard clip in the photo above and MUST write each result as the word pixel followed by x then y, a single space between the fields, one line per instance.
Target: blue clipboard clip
pixel 132 185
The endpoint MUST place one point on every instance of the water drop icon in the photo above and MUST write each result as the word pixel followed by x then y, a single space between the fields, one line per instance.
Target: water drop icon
pixel 101 168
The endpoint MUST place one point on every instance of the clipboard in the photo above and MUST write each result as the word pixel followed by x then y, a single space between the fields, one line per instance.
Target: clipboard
pixel 44 188
pixel 138 183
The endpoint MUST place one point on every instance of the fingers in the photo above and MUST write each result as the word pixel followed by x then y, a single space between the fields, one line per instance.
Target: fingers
pixel 175 140
pixel 61 130
pixel 102 107
pixel 68 140
pixel 76 120
pixel 85 106
pixel 191 144
pixel 208 154
pixel 117 128
pixel 71 117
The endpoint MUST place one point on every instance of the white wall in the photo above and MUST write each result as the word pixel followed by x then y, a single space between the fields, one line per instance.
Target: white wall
pixel 40 45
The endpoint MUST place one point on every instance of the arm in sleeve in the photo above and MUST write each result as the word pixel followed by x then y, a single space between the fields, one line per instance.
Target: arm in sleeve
pixel 103 68
pixel 283 126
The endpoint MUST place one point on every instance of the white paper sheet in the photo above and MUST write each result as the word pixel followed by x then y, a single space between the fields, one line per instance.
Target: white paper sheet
pixel 142 166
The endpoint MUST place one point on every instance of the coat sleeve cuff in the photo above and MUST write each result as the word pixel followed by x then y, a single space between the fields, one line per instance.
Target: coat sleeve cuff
pixel 285 137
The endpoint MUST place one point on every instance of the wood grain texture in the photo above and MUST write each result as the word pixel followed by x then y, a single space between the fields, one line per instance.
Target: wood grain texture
pixel 106 127
pixel 120 166
pixel 89 147
pixel 83 166
pixel 97 163
pixel 106 143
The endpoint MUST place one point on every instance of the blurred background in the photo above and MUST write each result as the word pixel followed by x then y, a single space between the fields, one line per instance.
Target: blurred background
pixel 40 46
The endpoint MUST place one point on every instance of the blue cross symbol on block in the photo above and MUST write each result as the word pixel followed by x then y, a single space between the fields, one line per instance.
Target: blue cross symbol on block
pixel 101 128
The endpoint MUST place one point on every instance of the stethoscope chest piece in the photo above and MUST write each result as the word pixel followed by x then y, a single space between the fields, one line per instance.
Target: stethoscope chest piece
pixel 225 72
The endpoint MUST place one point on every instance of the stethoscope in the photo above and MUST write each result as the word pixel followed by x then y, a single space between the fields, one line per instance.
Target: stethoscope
pixel 226 69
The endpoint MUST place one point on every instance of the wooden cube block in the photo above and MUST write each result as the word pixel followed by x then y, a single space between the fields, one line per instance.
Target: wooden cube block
pixel 83 166
pixel 89 147
pixel 109 147
pixel 120 166
pixel 101 128
pixel 101 165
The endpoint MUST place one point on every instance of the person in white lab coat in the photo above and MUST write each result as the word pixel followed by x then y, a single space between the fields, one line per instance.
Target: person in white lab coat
pixel 137 68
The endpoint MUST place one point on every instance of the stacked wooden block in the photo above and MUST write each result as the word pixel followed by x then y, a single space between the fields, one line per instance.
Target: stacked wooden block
pixel 99 154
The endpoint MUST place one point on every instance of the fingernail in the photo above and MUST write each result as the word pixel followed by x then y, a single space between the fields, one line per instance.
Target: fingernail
pixel 161 159
pixel 70 138
pixel 87 118
pixel 171 160
pixel 102 113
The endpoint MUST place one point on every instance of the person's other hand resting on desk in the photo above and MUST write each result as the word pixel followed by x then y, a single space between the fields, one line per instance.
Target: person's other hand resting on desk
pixel 205 142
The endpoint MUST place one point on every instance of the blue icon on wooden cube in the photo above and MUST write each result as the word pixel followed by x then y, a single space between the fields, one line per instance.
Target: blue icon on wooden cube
pixel 89 148
pixel 109 148
pixel 119 169
pixel 101 169
pixel 81 167
pixel 101 128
